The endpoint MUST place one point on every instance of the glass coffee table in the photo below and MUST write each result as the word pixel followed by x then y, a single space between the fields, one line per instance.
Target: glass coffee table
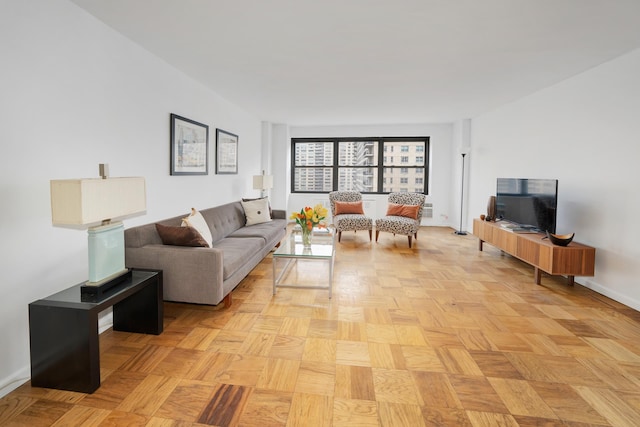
pixel 291 250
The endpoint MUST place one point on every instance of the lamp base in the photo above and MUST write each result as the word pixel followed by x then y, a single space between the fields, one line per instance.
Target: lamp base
pixel 106 251
pixel 461 233
pixel 95 291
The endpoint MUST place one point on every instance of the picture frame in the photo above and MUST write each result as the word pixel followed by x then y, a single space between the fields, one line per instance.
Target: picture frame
pixel 189 147
pixel 226 152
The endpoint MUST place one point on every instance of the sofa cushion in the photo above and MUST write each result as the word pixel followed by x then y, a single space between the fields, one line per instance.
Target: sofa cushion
pixel 268 231
pixel 235 252
pixel 256 211
pixel 196 221
pixel 224 219
pixel 180 236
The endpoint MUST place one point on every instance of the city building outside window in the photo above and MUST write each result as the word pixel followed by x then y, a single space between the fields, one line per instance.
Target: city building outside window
pixel 321 165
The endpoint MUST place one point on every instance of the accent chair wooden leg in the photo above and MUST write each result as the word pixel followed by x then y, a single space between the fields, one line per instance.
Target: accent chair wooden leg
pixel 339 236
pixel 409 237
pixel 370 237
pixel 227 300
pixel 377 234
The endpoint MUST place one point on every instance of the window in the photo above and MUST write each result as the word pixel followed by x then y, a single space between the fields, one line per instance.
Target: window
pixel 321 165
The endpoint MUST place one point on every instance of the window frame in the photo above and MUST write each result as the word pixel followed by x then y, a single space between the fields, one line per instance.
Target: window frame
pixel 380 167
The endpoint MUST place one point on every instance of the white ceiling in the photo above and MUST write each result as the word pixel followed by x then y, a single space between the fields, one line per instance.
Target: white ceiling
pixel 306 62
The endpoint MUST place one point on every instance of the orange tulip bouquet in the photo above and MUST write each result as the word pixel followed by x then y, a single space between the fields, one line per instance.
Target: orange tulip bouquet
pixel 308 218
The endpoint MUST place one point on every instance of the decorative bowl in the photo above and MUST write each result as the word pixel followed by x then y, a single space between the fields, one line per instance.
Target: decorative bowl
pixel 560 239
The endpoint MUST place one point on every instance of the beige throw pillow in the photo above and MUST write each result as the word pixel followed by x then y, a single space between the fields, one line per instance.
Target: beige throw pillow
pixel 256 211
pixel 196 220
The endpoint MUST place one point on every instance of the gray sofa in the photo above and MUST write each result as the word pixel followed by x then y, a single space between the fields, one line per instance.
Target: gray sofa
pixel 205 275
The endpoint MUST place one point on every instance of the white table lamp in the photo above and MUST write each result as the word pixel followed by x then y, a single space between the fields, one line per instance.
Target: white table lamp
pixel 263 183
pixel 99 205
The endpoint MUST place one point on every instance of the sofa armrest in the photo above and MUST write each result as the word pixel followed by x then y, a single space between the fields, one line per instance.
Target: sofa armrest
pixel 189 274
pixel 279 214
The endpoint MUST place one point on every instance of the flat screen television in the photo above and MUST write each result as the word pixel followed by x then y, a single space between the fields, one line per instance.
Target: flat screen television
pixel 529 203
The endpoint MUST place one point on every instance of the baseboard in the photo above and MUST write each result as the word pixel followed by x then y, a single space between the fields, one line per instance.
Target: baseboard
pixel 608 292
pixel 7 385
pixel 105 320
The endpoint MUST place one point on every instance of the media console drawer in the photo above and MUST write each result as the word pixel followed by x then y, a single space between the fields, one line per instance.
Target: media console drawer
pixel 573 260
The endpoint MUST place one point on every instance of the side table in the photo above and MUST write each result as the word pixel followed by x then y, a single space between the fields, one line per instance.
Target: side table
pixel 63 329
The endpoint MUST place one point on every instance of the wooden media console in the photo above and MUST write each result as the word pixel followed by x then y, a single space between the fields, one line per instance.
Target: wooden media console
pixel 573 260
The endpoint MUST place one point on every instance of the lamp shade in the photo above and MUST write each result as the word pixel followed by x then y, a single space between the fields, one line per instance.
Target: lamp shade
pixel 93 200
pixel 262 182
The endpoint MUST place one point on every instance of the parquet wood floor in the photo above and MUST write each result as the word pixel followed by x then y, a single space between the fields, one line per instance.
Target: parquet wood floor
pixel 437 335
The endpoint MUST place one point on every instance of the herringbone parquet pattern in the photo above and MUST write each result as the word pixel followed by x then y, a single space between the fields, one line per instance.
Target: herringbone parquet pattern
pixel 437 335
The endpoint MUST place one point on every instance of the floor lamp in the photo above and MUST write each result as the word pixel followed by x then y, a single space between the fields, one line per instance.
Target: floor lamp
pixel 460 232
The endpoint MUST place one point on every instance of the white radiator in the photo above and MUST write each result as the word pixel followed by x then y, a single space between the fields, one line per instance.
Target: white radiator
pixel 370 206
pixel 427 210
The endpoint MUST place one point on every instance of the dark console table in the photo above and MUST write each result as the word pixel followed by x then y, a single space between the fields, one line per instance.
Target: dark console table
pixel 63 329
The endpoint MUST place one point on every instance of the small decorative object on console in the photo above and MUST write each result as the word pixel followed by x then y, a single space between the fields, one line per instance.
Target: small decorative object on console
pixel 308 218
pixel 491 209
pixel 560 239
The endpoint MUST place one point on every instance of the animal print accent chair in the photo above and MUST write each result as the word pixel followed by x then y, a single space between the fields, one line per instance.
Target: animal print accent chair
pixel 349 221
pixel 401 224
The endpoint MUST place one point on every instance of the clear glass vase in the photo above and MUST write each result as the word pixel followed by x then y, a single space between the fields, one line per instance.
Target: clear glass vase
pixel 306 237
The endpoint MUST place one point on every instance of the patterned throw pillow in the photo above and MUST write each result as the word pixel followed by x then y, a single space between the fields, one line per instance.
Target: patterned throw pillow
pixel 196 220
pixel 180 236
pixel 348 207
pixel 256 211
pixel 408 211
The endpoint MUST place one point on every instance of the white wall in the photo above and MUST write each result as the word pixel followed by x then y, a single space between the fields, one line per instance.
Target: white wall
pixel 440 178
pixel 585 132
pixel 75 94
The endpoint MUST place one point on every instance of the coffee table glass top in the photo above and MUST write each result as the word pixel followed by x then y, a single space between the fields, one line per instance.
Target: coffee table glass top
pixel 322 245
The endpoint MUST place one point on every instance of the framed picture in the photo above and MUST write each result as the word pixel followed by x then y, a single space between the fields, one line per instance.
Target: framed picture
pixel 189 147
pixel 226 152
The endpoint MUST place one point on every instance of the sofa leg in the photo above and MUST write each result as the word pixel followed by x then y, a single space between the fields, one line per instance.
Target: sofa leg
pixel 370 235
pixel 409 240
pixel 377 234
pixel 339 236
pixel 227 300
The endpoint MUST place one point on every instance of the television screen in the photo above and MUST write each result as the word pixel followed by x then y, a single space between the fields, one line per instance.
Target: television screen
pixel 530 203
